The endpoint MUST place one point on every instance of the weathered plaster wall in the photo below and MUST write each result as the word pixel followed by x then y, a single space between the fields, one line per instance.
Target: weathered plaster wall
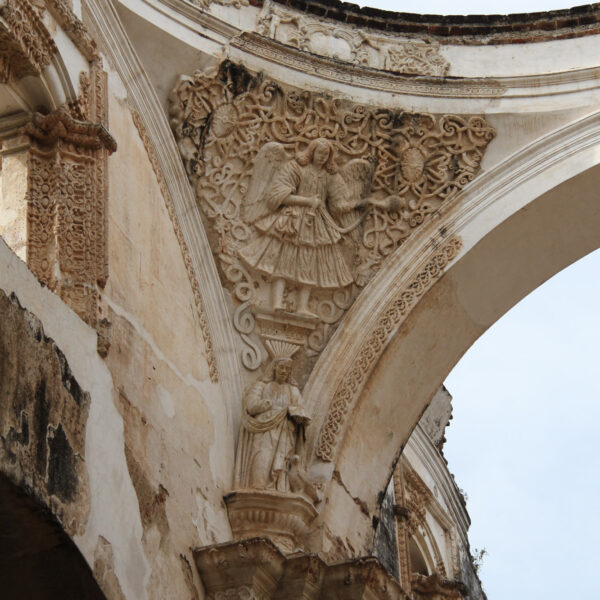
pixel 103 503
pixel 178 441
pixel 43 414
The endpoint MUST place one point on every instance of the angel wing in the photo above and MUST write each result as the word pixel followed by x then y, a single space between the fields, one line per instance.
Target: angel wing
pixel 269 160
pixel 357 175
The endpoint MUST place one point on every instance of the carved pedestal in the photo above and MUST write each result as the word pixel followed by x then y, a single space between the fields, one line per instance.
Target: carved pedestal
pixel 256 569
pixel 283 517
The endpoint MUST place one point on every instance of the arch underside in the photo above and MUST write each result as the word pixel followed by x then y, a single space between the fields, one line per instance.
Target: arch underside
pixel 492 274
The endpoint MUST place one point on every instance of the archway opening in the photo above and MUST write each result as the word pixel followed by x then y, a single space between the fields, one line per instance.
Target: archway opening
pixel 521 444
pixel 37 558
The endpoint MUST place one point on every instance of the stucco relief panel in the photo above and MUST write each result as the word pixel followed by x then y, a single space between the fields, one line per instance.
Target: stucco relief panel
pixel 305 196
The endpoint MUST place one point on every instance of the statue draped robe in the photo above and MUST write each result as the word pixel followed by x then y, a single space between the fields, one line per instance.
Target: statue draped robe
pixel 268 436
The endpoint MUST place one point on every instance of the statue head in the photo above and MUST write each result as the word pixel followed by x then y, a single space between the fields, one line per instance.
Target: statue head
pixel 320 152
pixel 282 370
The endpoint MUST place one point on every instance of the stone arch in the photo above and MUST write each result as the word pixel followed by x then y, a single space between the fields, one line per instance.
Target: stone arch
pixel 507 234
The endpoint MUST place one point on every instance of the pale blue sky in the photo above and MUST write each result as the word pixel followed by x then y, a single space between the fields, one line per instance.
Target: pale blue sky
pixel 524 441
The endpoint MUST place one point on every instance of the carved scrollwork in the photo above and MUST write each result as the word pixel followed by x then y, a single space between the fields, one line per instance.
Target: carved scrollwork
pixel 306 195
pixel 244 322
pixel 373 346
pixel 26 46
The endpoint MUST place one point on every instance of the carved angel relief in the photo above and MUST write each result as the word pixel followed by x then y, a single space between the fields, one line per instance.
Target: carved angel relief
pixel 306 195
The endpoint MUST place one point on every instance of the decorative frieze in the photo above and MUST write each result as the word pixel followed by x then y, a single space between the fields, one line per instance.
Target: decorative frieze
pixel 306 195
pixel 330 69
pixel 349 44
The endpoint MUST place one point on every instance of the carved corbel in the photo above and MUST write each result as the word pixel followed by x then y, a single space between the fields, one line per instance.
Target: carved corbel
pixel 434 587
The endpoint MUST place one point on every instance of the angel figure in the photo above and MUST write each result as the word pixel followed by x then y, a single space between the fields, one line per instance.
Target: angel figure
pixel 300 208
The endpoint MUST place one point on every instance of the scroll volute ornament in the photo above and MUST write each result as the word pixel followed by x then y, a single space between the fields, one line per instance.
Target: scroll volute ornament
pixel 305 196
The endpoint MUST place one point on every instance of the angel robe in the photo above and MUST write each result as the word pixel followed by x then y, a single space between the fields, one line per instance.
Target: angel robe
pixel 267 436
pixel 300 243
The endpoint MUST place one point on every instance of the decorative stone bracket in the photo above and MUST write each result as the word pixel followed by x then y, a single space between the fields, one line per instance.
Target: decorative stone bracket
pixel 283 517
pixel 256 569
pixel 434 587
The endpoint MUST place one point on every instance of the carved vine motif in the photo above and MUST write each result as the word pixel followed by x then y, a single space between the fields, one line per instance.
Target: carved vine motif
pixel 349 44
pixel 243 139
pixel 374 345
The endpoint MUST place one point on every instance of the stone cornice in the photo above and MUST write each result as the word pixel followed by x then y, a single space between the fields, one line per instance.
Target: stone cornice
pixel 248 46
pixel 256 568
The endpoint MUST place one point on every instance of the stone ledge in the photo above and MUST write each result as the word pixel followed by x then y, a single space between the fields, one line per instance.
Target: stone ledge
pixel 256 568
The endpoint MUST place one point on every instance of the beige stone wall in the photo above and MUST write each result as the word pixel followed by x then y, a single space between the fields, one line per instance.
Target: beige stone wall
pixel 178 443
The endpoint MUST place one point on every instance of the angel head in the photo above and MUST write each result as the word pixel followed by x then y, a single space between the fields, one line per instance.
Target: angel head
pixel 320 152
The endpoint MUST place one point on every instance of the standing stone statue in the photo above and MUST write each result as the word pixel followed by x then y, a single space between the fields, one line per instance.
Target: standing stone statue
pixel 272 431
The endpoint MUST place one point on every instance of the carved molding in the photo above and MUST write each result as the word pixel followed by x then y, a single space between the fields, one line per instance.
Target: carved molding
pixel 372 348
pixel 256 569
pixel 417 497
pixel 26 46
pixel 349 44
pixel 164 188
pixel 74 28
pixel 205 4
pixel 283 517
pixel 245 140
pixel 66 207
pixel 330 69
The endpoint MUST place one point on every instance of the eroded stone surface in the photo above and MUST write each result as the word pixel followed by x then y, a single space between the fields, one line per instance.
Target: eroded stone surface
pixel 43 414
